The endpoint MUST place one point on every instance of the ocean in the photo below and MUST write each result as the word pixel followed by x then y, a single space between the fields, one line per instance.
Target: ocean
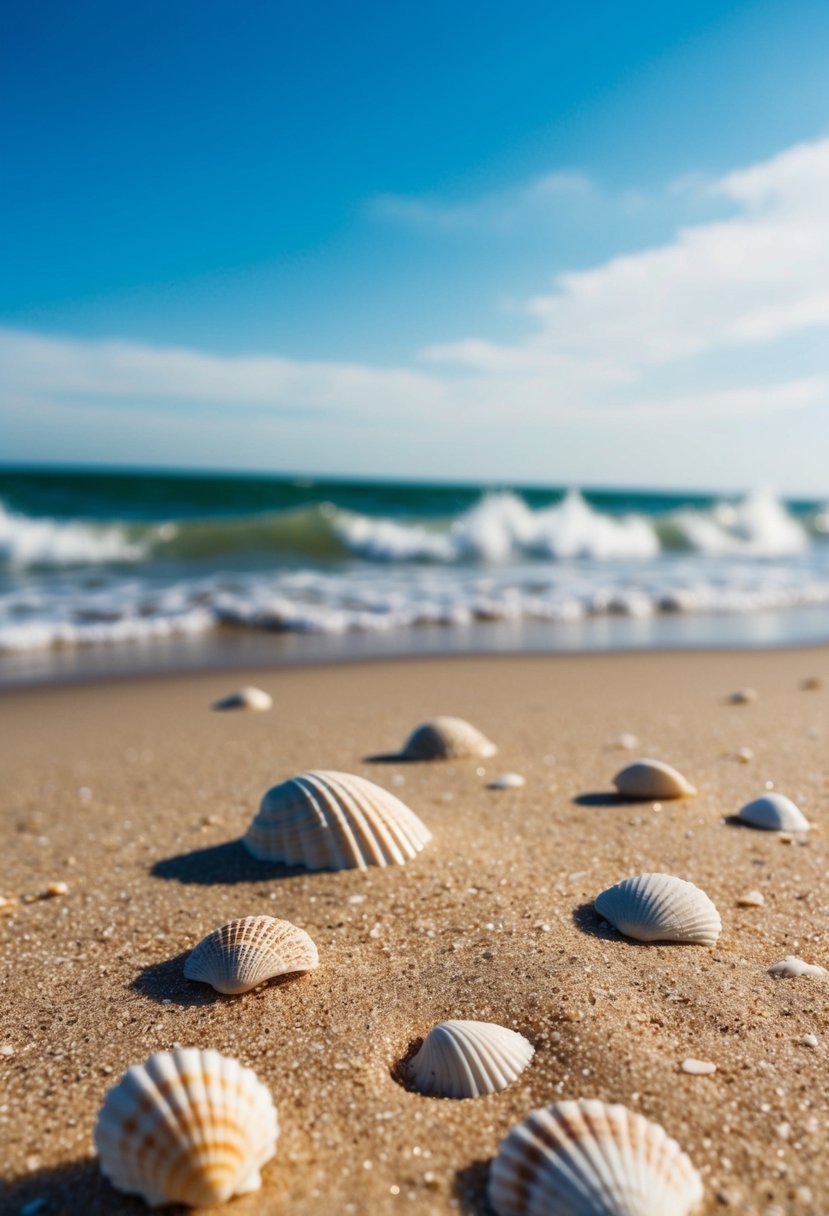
pixel 118 571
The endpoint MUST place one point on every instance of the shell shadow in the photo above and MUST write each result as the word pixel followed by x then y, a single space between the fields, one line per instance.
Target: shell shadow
pixel 76 1189
pixel 469 1188
pixel 604 798
pixel 734 821
pixel 165 982
pixel 400 1068
pixel 391 758
pixel 588 920
pixel 220 864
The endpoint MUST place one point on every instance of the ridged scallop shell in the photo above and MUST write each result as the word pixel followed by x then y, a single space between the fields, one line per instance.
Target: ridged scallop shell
pixel 587 1158
pixel 467 1059
pixel 334 821
pixel 774 813
pixel 660 908
pixel 646 779
pixel 446 738
pixel 244 953
pixel 189 1126
pixel 245 698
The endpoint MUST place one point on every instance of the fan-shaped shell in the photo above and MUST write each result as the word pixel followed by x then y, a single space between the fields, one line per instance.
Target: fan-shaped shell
pixel 189 1126
pixel 646 779
pixel 774 813
pixel 587 1158
pixel 466 1059
pixel 660 908
pixel 446 738
pixel 334 821
pixel 244 953
pixel 245 698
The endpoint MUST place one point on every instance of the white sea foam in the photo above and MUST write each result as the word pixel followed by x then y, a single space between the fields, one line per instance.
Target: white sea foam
pixel 25 541
pixel 759 526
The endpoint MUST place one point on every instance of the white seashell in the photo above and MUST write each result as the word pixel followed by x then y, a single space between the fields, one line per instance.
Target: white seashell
pixel 698 1068
pixel 660 908
pixel 791 967
pixel 588 1158
pixel 334 821
pixel 507 781
pixel 189 1126
pixel 245 698
pixel 646 779
pixel 244 953
pixel 446 738
pixel 467 1059
pixel 743 696
pixel 751 899
pixel 774 813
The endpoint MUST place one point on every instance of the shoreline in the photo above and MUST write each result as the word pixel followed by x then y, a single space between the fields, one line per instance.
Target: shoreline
pixel 492 921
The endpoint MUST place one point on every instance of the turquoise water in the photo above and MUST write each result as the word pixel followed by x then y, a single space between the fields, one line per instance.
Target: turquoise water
pixel 99 569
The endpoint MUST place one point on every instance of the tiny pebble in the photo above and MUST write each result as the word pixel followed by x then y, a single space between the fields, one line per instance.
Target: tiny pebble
pixel 743 696
pixel 698 1068
pixel 57 888
pixel 745 755
pixel 6 1050
pixel 751 899
pixel 507 781
pixel 626 742
pixel 809 1040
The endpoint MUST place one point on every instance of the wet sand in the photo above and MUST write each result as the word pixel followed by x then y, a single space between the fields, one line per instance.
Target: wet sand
pixel 135 794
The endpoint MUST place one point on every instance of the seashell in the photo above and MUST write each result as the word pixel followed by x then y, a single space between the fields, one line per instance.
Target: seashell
pixel 446 738
pixel 660 908
pixel 467 1059
pixel 792 967
pixel 334 821
pixel 507 781
pixel 189 1126
pixel 587 1158
pixel 743 696
pixel 646 779
pixel 751 899
pixel 244 953
pixel 774 813
pixel 245 698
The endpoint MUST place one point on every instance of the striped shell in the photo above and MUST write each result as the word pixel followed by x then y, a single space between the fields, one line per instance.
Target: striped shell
pixel 446 738
pixel 646 779
pixel 774 813
pixel 245 698
pixel 467 1059
pixel 244 953
pixel 587 1158
pixel 660 908
pixel 334 821
pixel 189 1126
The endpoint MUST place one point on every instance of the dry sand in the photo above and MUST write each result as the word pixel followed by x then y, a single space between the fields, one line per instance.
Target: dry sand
pixel 135 794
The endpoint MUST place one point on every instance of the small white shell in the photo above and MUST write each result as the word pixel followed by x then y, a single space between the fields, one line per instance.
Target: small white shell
pixel 244 953
pixel 751 899
pixel 189 1126
pixel 245 698
pixel 791 967
pixel 774 813
pixel 588 1158
pixel 507 781
pixel 743 696
pixel 446 738
pixel 334 821
pixel 466 1059
pixel 660 908
pixel 646 779
pixel 698 1068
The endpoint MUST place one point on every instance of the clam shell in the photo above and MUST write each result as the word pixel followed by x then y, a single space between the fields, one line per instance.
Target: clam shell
pixel 245 698
pixel 447 738
pixel 467 1059
pixel 244 953
pixel 646 779
pixel 334 821
pixel 660 908
pixel 587 1158
pixel 774 813
pixel 189 1126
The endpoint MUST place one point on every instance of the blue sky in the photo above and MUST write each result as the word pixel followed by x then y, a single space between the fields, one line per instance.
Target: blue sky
pixel 533 241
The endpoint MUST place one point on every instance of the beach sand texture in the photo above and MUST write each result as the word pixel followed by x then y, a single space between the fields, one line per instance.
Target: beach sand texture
pixel 135 794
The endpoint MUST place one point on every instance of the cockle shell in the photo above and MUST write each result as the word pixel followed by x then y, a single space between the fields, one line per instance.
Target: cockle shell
pixel 660 908
pixel 774 813
pixel 646 779
pixel 467 1059
pixel 189 1126
pixel 334 821
pixel 792 967
pixel 447 738
pixel 587 1158
pixel 244 953
pixel 245 698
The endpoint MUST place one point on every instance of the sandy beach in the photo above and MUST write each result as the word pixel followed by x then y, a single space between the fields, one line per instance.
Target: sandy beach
pixel 135 794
